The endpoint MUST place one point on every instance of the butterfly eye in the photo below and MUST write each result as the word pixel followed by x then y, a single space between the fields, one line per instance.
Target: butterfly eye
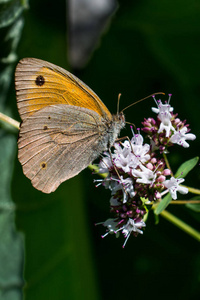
pixel 39 80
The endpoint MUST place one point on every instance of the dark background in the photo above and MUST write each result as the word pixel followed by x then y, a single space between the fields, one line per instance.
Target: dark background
pixel 149 46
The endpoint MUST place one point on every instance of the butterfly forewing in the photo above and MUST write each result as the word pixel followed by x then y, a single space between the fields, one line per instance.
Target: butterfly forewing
pixel 39 84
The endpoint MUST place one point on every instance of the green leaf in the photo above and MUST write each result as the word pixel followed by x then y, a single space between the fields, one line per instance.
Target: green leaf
pixel 186 167
pixel 194 206
pixel 11 245
pixel 11 24
pixel 163 204
pixel 10 10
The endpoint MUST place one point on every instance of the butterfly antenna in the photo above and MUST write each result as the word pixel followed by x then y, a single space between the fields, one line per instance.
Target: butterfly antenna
pixel 119 96
pixel 159 93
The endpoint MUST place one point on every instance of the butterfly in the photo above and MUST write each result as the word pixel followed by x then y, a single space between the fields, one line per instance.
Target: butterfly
pixel 65 126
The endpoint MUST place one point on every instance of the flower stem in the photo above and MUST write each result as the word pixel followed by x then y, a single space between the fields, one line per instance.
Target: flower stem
pixel 9 120
pixel 185 202
pixel 167 163
pixel 182 225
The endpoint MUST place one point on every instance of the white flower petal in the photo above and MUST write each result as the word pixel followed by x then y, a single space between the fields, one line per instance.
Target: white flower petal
pixel 173 185
pixel 180 137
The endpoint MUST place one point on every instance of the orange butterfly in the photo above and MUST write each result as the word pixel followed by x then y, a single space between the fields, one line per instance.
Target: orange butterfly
pixel 65 126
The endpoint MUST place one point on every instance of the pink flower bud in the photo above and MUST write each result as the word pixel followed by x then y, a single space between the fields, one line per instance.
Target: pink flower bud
pixel 149 166
pixel 166 172
pixel 161 178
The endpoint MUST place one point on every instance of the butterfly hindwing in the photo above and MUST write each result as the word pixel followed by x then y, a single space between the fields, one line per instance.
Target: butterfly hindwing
pixel 58 142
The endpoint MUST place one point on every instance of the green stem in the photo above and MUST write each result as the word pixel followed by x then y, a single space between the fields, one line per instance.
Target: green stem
pixel 167 163
pixel 9 120
pixel 185 202
pixel 182 225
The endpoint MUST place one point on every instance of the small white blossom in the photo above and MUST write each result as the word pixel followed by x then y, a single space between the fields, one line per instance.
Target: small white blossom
pixel 139 149
pixel 124 158
pixel 130 226
pixel 180 137
pixel 165 125
pixel 173 186
pixel 126 185
pixel 105 164
pixel 164 114
pixel 162 108
pixel 146 176
pixel 111 225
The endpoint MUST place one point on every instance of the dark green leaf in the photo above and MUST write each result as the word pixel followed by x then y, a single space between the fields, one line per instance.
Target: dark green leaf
pixel 194 206
pixel 11 245
pixel 186 167
pixel 11 24
pixel 10 10
pixel 163 204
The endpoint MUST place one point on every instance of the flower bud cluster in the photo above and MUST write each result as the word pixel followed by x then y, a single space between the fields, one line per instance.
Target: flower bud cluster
pixel 167 129
pixel 137 173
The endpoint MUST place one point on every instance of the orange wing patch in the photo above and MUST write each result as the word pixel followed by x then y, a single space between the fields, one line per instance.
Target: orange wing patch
pixel 40 84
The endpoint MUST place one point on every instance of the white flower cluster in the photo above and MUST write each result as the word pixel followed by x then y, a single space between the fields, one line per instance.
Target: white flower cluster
pixel 135 172
pixel 164 114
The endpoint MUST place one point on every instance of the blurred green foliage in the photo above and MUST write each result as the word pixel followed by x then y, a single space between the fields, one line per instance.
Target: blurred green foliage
pixel 150 46
pixel 11 242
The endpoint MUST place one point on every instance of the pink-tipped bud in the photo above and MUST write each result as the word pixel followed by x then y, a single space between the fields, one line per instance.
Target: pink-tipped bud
pixel 167 172
pixel 161 178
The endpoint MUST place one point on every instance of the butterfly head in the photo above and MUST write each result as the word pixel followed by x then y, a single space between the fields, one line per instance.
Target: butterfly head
pixel 118 122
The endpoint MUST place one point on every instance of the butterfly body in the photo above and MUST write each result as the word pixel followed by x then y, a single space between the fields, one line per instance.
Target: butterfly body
pixel 65 126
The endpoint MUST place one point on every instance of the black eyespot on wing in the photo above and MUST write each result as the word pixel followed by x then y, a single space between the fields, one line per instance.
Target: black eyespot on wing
pixel 39 80
pixel 43 165
pixel 45 127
